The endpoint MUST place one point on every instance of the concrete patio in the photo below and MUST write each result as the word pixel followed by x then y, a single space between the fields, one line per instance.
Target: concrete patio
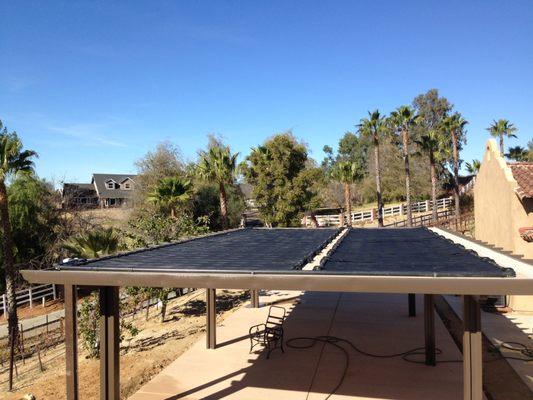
pixel 376 323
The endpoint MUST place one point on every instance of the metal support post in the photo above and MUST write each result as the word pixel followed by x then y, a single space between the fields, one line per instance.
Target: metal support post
pixel 71 341
pixel 254 298
pixel 109 343
pixel 472 350
pixel 429 328
pixel 211 323
pixel 412 304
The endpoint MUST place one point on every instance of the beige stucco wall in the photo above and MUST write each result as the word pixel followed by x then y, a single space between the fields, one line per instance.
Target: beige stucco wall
pixel 499 213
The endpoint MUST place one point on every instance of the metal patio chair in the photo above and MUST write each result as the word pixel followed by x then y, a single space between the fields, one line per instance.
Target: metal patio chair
pixel 269 334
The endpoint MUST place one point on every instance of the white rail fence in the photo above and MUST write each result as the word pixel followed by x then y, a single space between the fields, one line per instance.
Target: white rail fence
pixel 31 295
pixel 371 215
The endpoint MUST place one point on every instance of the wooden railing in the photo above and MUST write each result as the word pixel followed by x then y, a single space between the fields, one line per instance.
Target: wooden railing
pixel 424 220
pixel 445 219
pixel 464 225
pixel 371 215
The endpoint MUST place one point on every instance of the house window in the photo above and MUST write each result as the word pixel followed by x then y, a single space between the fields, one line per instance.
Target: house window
pixel 110 184
pixel 127 186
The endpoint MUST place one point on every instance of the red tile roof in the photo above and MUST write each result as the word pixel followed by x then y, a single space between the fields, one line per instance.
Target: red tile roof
pixel 523 174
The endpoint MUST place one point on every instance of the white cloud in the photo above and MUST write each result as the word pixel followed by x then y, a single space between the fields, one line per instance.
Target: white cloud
pixel 88 134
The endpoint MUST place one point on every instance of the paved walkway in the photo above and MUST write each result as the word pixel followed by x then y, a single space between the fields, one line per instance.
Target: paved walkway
pixel 374 322
pixel 34 321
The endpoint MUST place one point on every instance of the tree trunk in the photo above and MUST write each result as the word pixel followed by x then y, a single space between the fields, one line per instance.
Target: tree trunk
pixel 147 315
pixel 9 263
pixel 378 181
pixel 163 311
pixel 456 178
pixel 172 212
pixel 405 140
pixel 348 204
pixel 223 207
pixel 502 152
pixel 433 186
pixel 164 302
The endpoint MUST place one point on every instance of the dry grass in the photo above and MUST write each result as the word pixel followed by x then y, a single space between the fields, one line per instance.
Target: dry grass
pixel 26 312
pixel 108 217
pixel 142 357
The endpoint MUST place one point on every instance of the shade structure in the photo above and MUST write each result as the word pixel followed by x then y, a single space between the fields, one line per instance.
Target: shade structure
pixel 281 249
pixel 405 260
pixel 408 252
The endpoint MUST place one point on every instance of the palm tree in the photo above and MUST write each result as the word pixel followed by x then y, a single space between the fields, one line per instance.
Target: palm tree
pixel 517 153
pixel 219 166
pixel 347 173
pixel 170 193
pixel 13 159
pixel 500 129
pixel 455 126
pixel 93 244
pixel 473 168
pixel 403 119
pixel 373 127
pixel 431 144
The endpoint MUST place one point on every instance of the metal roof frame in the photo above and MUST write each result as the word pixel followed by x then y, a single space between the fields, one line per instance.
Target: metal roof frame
pixel 292 280
pixel 108 279
pixel 92 274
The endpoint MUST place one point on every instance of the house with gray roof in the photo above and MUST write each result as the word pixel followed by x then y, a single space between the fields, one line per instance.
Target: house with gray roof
pixel 105 190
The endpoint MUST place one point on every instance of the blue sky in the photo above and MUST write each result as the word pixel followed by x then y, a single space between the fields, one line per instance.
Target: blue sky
pixel 93 85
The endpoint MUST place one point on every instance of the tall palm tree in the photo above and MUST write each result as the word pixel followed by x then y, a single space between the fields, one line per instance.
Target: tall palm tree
pixel 170 193
pixel 219 166
pixel 431 144
pixel 347 173
pixel 13 159
pixel 473 167
pixel 500 129
pixel 93 244
pixel 517 153
pixel 454 125
pixel 373 127
pixel 403 119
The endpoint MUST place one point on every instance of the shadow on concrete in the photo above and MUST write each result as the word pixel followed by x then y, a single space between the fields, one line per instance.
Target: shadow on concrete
pixel 375 322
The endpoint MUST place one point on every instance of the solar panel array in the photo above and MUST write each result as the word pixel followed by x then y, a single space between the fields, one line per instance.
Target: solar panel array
pixel 243 250
pixel 407 252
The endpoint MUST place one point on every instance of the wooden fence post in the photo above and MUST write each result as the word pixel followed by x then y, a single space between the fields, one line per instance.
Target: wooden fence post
pixel 21 332
pixel 54 292
pixel 30 296
pixel 11 359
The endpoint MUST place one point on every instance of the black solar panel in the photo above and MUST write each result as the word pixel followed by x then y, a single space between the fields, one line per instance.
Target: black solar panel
pixel 244 249
pixel 407 252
